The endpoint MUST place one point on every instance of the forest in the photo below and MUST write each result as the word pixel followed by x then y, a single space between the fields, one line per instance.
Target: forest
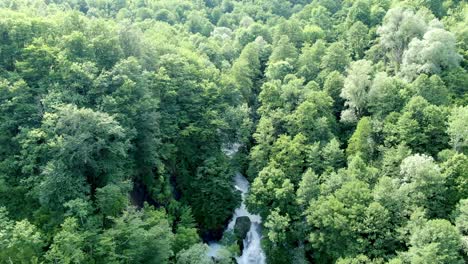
pixel 124 122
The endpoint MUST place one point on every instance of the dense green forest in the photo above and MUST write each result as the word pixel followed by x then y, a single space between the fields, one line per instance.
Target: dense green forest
pixel 351 118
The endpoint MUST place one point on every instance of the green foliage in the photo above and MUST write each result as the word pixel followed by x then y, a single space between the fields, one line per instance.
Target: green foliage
pixel 336 58
pixel 283 50
pixel 461 220
pixel 264 137
pixel 348 118
pixel 454 169
pixel 197 23
pixel 313 118
pixel 213 197
pixel 399 27
pixel 456 79
pixel 432 89
pixel 290 155
pixel 437 241
pixel 356 88
pixel 422 180
pixel 385 95
pixel 360 259
pixel 457 128
pixel 68 244
pixel 357 39
pixel 438 52
pixel 361 142
pixel 271 188
pixel 310 59
pixel 312 33
pixel 84 150
pixel 196 254
pixel 335 217
pixel 138 237
pixel 246 70
pixel 333 85
pixel 38 58
pixel 112 199
pixel 421 126
pixel 276 226
pixel 21 241
pixel 309 188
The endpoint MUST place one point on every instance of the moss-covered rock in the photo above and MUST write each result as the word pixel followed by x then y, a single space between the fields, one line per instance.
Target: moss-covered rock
pixel 241 228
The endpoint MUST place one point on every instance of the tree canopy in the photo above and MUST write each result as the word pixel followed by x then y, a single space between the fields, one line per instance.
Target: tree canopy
pixel 123 125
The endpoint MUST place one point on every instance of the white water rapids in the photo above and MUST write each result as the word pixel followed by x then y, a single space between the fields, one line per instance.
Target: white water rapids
pixel 252 252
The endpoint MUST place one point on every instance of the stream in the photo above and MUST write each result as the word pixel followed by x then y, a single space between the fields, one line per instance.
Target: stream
pixel 253 252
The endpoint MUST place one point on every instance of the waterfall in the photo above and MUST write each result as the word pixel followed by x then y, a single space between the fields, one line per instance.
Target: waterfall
pixel 252 252
pixel 242 185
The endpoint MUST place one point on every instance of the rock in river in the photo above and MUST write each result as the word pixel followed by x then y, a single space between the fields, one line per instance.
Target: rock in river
pixel 241 228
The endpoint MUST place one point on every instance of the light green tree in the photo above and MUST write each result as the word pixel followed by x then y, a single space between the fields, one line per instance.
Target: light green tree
pixel 196 254
pixel 361 142
pixel 421 179
pixel 398 29
pixel 356 88
pixel 276 226
pixel 432 54
pixel 68 244
pixel 437 241
pixel 457 128
pixel 137 236
pixel 20 241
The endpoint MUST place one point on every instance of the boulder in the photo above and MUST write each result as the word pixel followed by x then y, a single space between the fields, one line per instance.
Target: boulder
pixel 242 227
